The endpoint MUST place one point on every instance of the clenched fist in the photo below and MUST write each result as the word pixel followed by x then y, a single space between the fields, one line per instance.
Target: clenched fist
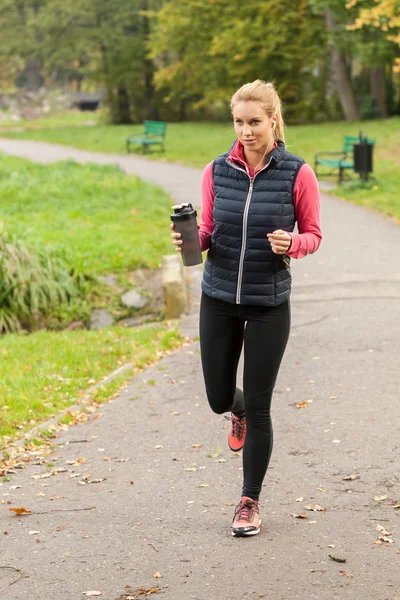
pixel 280 241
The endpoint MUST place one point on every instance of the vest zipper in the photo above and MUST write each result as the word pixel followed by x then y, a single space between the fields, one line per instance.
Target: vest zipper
pixel 244 239
pixel 244 228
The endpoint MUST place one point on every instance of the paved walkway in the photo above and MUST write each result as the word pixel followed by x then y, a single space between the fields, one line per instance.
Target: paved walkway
pixel 164 505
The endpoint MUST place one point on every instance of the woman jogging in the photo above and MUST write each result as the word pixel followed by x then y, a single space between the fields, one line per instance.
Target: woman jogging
pixel 252 196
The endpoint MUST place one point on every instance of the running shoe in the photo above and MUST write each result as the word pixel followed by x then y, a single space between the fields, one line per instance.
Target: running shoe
pixel 246 520
pixel 237 432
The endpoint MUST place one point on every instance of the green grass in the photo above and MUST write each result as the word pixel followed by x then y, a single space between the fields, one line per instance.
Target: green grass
pixel 195 144
pixel 45 372
pixel 68 118
pixel 105 220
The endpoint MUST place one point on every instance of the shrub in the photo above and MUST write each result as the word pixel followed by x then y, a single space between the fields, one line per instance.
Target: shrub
pixel 31 283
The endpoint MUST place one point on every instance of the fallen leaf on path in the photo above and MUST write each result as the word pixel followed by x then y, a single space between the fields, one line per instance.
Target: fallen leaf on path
pixel 143 592
pixel 302 404
pixel 21 511
pixel 300 516
pixel 345 573
pixel 321 490
pixel 191 469
pixel 92 593
pixel 380 498
pixel 331 546
pixel 42 476
pixel 197 445
pixel 315 507
pixel 204 485
pixel 15 487
pixel 158 447
pixel 156 575
pixel 78 461
pixel 383 538
pixel 396 507
pixel 299 499
pixel 221 460
pixel 351 477
pixel 337 559
pixel 382 530
pixel 34 532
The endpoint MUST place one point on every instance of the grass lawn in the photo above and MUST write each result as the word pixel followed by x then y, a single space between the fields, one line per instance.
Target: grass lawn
pixel 196 144
pixel 42 373
pixel 105 220
pixel 67 118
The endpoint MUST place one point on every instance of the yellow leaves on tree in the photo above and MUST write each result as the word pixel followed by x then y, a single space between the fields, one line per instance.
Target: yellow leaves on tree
pixel 385 15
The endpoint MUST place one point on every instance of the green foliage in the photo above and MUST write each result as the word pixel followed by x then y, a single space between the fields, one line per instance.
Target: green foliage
pixel 31 283
pixel 269 40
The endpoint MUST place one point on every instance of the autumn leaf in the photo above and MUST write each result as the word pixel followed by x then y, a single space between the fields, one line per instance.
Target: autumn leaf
pixel 21 511
pixel 337 559
pixel 382 530
pixel 300 516
pixel 351 477
pixel 302 404
pixel 380 498
pixel 156 575
pixel 315 507
pixel 92 593
pixel 197 445
pixel 299 499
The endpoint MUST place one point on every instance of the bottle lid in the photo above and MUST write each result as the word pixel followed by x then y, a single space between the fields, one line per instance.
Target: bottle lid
pixel 183 211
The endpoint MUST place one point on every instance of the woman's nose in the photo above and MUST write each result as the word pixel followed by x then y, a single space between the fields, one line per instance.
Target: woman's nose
pixel 246 130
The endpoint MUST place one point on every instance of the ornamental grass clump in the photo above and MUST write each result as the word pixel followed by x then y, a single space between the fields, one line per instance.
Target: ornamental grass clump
pixel 32 282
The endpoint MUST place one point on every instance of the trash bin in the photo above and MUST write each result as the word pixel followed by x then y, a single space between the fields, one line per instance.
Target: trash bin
pixel 362 156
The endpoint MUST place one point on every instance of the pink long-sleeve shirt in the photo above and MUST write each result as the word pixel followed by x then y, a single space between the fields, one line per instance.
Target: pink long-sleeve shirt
pixel 306 202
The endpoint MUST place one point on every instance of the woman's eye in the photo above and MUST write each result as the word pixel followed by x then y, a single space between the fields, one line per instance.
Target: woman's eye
pixel 255 121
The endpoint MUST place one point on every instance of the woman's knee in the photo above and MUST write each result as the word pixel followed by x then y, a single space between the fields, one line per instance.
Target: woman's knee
pixel 220 403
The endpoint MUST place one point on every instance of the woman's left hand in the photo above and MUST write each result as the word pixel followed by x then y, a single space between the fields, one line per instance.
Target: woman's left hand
pixel 280 241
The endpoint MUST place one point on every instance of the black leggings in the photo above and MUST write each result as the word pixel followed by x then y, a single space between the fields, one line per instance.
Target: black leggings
pixel 264 331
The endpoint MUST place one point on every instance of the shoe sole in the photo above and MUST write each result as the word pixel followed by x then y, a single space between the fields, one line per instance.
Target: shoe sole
pixel 235 449
pixel 239 533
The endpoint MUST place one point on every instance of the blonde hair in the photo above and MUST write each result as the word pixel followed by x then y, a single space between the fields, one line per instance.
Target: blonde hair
pixel 266 94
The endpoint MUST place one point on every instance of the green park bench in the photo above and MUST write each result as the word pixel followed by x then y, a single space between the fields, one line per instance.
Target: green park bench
pixel 344 158
pixel 154 133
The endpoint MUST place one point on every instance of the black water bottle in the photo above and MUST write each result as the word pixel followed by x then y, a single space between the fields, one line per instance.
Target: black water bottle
pixel 184 219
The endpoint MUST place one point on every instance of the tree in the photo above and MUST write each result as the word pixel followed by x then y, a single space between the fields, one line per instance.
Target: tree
pixel 383 15
pixel 203 51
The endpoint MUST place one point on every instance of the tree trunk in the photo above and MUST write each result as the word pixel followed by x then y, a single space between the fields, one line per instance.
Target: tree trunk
pixel 150 110
pixel 378 89
pixel 341 75
pixel 123 116
pixel 33 78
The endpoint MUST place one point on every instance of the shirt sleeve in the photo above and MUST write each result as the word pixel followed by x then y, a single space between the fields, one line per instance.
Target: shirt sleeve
pixel 207 206
pixel 307 209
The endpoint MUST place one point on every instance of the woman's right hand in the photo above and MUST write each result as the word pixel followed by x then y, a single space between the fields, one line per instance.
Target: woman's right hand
pixel 176 238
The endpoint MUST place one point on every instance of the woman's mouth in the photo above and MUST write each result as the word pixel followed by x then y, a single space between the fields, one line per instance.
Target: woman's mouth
pixel 249 141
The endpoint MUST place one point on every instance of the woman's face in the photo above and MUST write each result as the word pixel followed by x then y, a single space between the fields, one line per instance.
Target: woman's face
pixel 253 127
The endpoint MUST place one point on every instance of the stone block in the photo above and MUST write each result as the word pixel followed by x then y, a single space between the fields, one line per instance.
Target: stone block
pixel 174 286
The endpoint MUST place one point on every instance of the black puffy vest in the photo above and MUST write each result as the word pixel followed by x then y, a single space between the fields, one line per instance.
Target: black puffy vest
pixel 240 267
